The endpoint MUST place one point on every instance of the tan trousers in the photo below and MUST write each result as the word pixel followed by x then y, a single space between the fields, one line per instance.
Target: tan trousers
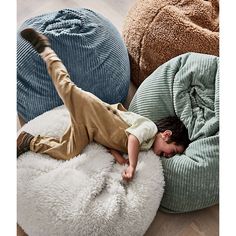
pixel 91 119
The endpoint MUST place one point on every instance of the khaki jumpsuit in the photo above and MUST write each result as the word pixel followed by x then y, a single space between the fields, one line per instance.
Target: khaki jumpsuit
pixel 91 119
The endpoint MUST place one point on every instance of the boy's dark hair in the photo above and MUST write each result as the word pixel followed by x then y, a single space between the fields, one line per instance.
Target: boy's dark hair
pixel 178 129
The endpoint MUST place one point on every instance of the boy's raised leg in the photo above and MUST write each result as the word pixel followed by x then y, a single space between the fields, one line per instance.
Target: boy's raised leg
pixel 66 89
pixel 38 41
pixel 70 144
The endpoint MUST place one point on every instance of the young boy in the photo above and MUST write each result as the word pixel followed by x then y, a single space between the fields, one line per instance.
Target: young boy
pixel 94 120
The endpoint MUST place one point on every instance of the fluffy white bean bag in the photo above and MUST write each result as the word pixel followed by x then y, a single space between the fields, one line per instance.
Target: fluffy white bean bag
pixel 86 195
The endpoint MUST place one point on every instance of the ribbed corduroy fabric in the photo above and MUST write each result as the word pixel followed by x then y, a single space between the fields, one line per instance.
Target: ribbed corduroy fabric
pixel 90 47
pixel 187 86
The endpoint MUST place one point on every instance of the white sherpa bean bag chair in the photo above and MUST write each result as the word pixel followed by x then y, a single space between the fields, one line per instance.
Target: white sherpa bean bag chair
pixel 85 195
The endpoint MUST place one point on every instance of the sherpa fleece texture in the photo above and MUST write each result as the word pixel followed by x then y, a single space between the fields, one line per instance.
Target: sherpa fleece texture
pixel 158 30
pixel 85 195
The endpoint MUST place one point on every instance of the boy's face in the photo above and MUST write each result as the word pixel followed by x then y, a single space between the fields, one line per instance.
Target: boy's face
pixel 162 148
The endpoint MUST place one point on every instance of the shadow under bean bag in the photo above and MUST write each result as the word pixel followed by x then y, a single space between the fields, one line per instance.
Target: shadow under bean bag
pixel 187 86
pixel 91 49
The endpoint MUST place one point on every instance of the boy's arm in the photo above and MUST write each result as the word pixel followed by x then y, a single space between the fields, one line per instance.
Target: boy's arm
pixel 133 151
pixel 118 157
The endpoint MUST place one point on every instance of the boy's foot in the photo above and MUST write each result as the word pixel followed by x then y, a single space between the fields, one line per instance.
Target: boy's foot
pixel 23 142
pixel 36 39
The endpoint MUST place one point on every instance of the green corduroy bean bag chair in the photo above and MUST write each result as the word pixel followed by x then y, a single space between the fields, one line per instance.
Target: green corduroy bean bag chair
pixel 187 86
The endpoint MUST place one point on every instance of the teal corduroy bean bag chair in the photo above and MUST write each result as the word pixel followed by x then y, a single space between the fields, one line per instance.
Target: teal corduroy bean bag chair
pixel 90 47
pixel 187 86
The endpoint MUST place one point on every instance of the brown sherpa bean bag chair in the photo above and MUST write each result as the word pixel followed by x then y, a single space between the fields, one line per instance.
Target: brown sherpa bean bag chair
pixel 158 30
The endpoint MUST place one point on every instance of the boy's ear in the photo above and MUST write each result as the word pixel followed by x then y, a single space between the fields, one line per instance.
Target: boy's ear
pixel 166 134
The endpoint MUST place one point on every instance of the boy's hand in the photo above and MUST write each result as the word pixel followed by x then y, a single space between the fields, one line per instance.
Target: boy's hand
pixel 133 151
pixel 128 174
